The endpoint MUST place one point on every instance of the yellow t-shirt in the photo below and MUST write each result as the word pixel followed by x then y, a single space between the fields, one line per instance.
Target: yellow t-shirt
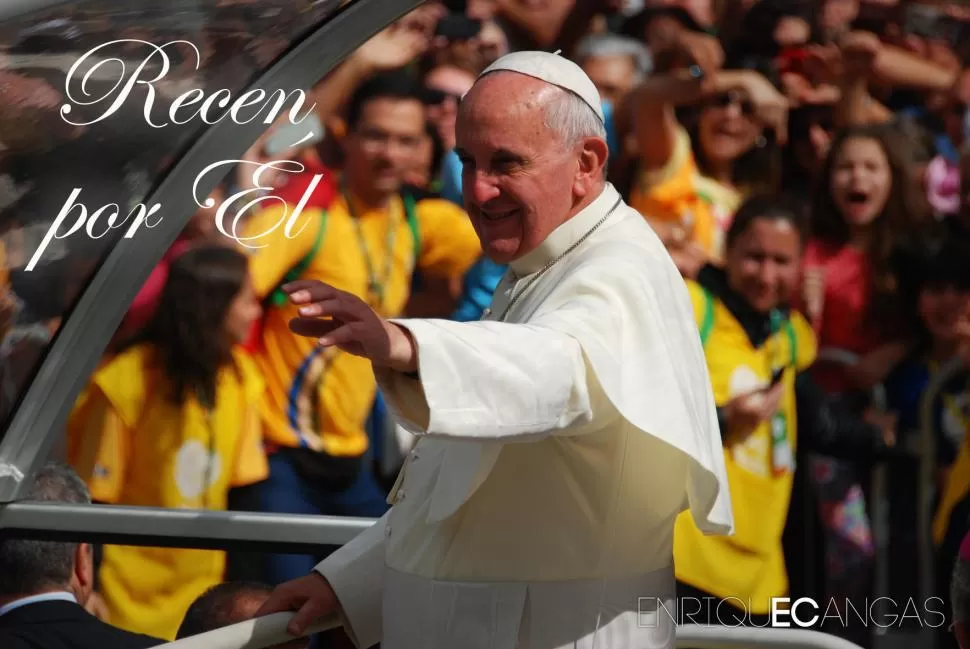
pixel 955 490
pixel 322 399
pixel 749 566
pixel 134 447
pixel 678 194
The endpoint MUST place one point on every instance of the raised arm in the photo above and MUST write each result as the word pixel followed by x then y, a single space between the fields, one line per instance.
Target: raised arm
pixel 490 381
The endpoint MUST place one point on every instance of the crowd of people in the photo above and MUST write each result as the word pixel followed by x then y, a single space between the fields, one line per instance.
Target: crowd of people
pixel 805 163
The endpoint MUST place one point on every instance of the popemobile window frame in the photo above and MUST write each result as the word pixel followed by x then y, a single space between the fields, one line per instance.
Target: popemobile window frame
pixel 34 428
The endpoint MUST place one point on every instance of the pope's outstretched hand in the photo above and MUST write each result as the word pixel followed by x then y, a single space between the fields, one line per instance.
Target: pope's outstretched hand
pixel 311 597
pixel 340 319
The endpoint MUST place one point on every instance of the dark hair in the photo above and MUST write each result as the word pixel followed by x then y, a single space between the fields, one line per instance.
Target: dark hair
pixel 28 567
pixel 759 24
pixel 219 607
pixel 396 84
pixel 437 149
pixel 904 213
pixel 770 208
pixel 188 329
pixel 945 266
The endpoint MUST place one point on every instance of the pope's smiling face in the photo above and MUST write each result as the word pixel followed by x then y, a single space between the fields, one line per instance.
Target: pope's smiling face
pixel 520 180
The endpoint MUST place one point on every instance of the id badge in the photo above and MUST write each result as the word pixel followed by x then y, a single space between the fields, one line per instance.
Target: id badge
pixel 782 458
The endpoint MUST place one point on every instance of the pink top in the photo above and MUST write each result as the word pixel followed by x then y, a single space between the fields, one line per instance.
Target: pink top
pixel 146 302
pixel 965 548
pixel 846 280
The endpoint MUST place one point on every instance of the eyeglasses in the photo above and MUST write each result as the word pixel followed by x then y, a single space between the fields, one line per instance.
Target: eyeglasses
pixel 732 98
pixel 435 97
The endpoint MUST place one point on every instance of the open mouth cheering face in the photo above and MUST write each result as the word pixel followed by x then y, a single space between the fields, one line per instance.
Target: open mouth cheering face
pixel 861 180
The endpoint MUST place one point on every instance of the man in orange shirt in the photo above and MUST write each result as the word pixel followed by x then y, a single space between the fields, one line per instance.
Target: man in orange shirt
pixel 369 242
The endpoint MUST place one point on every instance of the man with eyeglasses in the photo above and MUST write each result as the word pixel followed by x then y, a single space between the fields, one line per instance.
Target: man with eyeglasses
pixel 369 241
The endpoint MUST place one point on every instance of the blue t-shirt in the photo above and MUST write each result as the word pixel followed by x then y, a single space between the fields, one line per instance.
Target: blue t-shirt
pixel 480 283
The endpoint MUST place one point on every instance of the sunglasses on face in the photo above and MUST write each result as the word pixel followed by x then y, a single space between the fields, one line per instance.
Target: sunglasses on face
pixel 435 97
pixel 733 99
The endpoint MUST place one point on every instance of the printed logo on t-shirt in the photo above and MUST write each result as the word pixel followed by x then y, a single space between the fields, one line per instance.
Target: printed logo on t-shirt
pixel 195 469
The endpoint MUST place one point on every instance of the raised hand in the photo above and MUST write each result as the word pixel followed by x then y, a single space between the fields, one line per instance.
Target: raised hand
pixel 393 48
pixel 770 106
pixel 746 412
pixel 701 50
pixel 343 320
pixel 859 51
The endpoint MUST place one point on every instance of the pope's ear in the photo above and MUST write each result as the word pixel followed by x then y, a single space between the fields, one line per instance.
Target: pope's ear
pixel 593 157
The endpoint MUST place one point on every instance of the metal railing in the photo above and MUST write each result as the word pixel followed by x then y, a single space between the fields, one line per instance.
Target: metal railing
pixel 879 506
pixel 178 528
pixel 927 493
pixel 271 630
pixel 923 447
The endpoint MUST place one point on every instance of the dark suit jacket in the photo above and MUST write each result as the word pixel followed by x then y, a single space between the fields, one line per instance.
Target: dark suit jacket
pixel 64 625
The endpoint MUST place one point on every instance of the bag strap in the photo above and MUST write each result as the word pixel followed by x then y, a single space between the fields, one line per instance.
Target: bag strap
pixel 411 214
pixel 278 298
pixel 792 343
pixel 707 323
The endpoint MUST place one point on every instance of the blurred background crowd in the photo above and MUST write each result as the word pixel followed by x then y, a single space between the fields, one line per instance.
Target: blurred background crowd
pixel 804 161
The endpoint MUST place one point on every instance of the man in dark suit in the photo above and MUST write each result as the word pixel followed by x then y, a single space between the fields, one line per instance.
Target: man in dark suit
pixel 45 585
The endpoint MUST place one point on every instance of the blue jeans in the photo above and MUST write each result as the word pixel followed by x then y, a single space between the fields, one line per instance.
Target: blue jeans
pixel 287 492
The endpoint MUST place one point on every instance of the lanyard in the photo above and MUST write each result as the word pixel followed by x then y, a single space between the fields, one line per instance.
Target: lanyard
pixel 782 453
pixel 375 286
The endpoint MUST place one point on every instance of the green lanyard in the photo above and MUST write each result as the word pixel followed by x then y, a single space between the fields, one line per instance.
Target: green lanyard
pixel 375 285
pixel 782 453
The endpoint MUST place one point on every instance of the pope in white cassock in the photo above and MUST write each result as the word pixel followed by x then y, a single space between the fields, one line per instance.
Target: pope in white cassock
pixel 560 437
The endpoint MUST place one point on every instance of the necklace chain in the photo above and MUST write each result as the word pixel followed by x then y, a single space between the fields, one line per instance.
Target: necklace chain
pixel 375 285
pixel 532 280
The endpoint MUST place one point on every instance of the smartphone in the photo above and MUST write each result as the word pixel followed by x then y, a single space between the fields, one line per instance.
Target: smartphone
pixel 792 59
pixel 923 21
pixel 776 377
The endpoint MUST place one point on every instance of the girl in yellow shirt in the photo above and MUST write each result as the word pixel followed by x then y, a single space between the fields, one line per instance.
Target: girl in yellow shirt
pixel 172 421
pixel 758 351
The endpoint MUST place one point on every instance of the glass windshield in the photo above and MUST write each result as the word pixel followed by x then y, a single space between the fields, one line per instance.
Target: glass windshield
pixel 54 159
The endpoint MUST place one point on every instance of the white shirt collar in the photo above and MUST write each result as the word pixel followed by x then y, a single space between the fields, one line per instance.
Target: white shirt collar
pixel 568 233
pixel 61 596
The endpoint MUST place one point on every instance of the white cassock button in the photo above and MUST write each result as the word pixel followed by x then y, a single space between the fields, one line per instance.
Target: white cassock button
pixel 400 495
pixel 387 530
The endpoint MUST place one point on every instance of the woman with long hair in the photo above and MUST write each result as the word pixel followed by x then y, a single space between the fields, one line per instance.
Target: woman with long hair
pixel 173 421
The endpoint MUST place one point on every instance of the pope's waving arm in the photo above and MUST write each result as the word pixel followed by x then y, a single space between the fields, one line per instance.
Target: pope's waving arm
pixel 478 381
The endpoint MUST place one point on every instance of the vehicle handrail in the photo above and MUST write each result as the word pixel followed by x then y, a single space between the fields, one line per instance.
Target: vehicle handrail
pixel 177 528
pixel 271 630
pixel 257 633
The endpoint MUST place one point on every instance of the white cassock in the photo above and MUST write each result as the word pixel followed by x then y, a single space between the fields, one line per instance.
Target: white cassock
pixel 555 450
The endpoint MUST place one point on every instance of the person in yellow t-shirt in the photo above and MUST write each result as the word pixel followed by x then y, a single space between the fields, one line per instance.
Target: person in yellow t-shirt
pixel 369 242
pixel 758 351
pixel 173 421
pixel 692 178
